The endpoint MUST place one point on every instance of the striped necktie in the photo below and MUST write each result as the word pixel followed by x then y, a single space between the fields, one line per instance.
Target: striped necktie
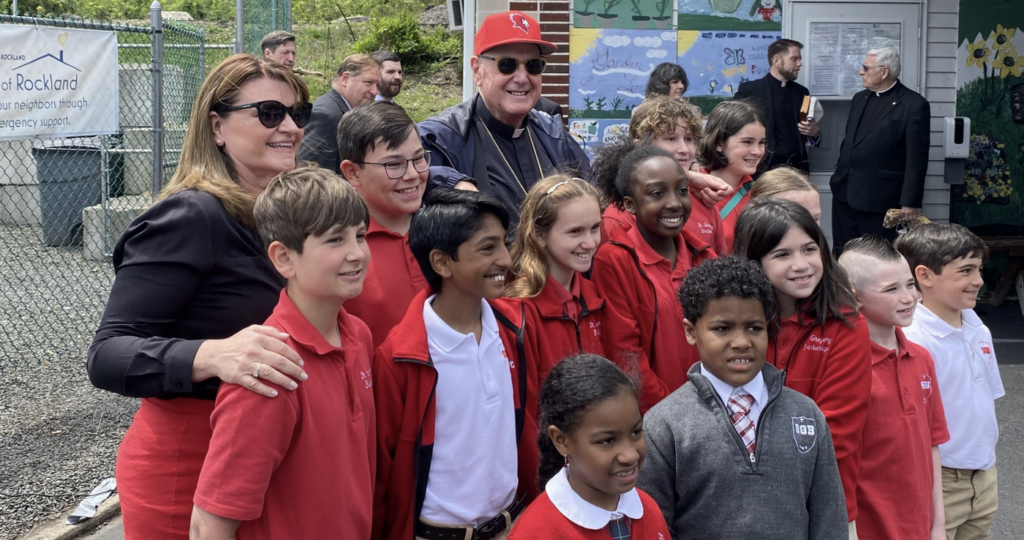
pixel 739 405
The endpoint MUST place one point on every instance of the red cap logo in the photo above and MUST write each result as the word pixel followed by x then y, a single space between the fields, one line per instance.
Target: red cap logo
pixel 520 22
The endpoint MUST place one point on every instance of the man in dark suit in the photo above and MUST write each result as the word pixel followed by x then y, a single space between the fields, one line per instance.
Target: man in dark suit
pixel 884 156
pixel 356 82
pixel 780 97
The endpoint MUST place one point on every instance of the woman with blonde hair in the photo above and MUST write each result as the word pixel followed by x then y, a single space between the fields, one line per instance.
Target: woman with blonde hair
pixel 193 285
pixel 790 184
pixel 558 235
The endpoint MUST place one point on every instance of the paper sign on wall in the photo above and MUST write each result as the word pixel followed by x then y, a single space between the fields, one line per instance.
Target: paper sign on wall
pixel 57 82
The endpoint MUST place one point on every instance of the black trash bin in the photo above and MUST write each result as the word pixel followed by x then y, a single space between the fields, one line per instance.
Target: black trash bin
pixel 70 174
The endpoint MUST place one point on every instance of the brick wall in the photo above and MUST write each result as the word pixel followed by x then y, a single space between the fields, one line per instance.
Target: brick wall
pixel 554 23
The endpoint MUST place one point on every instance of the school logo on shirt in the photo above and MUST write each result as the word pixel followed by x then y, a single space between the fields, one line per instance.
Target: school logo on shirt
pixel 595 327
pixel 705 228
pixel 504 355
pixel 805 433
pixel 926 387
pixel 816 343
pixel 367 377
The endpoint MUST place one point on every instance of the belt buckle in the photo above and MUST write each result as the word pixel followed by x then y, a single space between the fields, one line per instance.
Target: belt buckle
pixel 491 528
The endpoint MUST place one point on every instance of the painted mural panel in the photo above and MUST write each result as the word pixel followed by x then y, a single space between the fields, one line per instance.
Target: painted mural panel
pixel 609 68
pixel 990 91
pixel 717 62
pixel 591 133
pixel 633 14
pixel 730 15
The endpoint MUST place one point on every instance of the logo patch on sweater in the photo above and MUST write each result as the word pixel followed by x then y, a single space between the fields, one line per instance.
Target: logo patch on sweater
pixel 805 433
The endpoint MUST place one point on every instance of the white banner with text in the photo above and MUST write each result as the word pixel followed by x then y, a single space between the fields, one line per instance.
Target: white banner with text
pixel 57 82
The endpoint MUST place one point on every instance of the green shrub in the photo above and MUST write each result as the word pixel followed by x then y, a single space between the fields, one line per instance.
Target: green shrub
pixel 402 35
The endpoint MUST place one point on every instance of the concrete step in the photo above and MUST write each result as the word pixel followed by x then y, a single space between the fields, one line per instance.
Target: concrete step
pixel 98 237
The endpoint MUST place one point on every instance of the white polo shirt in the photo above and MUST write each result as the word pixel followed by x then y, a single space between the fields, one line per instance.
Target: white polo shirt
pixel 969 382
pixel 473 469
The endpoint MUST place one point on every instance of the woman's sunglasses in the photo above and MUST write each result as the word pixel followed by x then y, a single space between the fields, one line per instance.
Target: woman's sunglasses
pixel 507 65
pixel 271 113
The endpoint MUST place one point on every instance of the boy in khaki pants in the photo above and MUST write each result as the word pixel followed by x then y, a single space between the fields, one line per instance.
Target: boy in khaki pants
pixel 946 260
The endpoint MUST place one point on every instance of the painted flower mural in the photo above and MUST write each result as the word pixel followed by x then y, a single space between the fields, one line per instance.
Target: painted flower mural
pixel 1008 63
pixel 997 59
pixel 977 54
pixel 986 174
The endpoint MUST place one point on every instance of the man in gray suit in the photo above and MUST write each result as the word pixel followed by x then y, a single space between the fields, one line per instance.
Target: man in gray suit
pixel 356 82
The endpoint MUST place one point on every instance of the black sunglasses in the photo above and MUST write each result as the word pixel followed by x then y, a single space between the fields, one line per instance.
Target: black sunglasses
pixel 271 113
pixel 507 65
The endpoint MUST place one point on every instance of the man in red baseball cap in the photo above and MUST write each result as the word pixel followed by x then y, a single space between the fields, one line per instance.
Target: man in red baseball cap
pixel 521 145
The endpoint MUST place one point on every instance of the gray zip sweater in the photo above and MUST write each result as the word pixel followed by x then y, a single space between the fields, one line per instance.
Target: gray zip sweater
pixel 708 485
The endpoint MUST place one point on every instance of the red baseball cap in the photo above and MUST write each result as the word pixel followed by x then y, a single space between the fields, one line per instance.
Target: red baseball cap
pixel 510 27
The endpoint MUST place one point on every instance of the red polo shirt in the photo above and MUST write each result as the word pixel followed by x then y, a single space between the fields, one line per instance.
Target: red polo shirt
pixel 905 420
pixel 392 281
pixel 302 463
pixel 729 220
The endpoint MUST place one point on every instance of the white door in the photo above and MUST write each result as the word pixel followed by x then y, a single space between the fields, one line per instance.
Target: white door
pixel 836 36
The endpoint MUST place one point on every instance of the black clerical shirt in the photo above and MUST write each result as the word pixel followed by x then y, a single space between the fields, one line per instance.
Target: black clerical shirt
pixel 784 118
pixel 514 157
pixel 877 102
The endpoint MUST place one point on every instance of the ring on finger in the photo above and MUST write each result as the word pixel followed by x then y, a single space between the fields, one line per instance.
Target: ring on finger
pixel 256 372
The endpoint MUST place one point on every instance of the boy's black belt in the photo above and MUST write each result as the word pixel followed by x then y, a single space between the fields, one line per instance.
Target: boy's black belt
pixel 485 531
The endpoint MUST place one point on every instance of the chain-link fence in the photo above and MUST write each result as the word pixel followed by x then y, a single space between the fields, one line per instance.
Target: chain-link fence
pixel 65 201
pixel 260 17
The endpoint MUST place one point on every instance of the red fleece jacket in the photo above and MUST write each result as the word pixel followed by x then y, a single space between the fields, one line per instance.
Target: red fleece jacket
pixel 832 366
pixel 404 383
pixel 632 309
pixel 550 337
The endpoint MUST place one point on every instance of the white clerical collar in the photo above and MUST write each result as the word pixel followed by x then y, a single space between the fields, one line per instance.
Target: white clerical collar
pixel 887 89
pixel 584 514
pixel 755 387
pixel 517 133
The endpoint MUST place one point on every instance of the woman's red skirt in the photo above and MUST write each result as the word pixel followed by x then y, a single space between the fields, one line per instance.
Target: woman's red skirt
pixel 158 467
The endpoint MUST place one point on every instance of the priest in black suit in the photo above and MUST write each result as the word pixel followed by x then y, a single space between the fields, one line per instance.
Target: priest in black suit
pixel 780 97
pixel 884 156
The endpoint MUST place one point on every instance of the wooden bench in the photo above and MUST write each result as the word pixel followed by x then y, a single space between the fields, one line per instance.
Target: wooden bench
pixel 1014 246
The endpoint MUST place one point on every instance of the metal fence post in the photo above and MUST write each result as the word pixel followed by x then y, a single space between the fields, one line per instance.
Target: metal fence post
pixel 157 61
pixel 239 28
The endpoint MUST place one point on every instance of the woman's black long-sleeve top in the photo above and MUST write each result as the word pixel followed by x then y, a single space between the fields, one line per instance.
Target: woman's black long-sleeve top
pixel 185 272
